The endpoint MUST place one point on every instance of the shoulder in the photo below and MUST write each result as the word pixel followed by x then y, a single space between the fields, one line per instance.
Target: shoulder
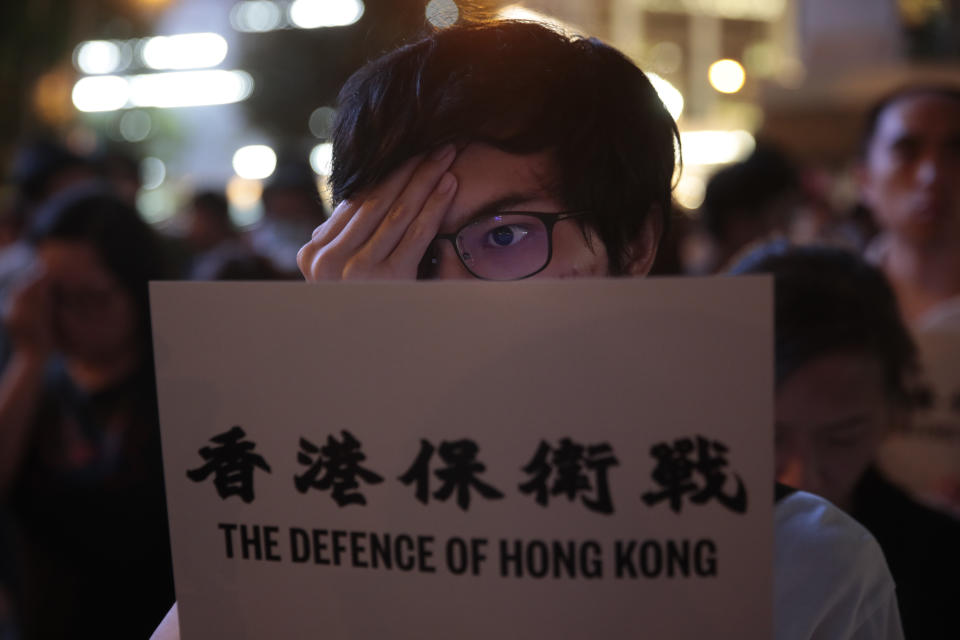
pixel 830 576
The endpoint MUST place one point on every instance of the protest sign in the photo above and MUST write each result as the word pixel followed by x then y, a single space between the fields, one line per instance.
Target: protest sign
pixel 588 458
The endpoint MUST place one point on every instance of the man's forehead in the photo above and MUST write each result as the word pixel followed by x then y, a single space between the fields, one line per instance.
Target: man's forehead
pixel 919 114
pixel 491 180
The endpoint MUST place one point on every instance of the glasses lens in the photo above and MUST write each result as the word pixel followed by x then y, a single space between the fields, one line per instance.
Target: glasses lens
pixel 506 247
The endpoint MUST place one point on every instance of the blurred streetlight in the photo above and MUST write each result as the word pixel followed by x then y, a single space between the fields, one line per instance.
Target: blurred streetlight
pixel 727 76
pixel 254 162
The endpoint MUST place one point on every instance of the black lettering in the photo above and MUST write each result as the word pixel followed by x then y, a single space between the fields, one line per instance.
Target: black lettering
pixel 591 564
pixel 456 556
pixel 357 549
pixel 705 565
pixel 678 556
pixel 380 551
pixel 537 551
pixel 228 529
pixel 424 553
pixel 338 546
pixel 623 556
pixel 404 563
pixel 271 543
pixel 248 541
pixel 565 556
pixel 477 556
pixel 651 564
pixel 507 558
pixel 299 545
pixel 319 546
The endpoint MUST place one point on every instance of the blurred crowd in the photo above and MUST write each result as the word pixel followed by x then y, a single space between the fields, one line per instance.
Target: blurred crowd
pixel 82 512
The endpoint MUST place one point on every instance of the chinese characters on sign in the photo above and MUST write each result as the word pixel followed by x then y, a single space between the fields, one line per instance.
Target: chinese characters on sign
pixel 690 469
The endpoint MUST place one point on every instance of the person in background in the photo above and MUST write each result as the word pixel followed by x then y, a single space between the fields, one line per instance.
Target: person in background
pixel 506 150
pixel 291 209
pixel 910 179
pixel 208 222
pixel 748 202
pixel 120 169
pixel 80 467
pixel 845 364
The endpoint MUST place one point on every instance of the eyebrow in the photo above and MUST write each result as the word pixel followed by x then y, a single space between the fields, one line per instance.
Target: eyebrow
pixel 500 205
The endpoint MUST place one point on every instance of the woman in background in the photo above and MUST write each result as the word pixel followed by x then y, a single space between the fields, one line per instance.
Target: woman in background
pixel 80 466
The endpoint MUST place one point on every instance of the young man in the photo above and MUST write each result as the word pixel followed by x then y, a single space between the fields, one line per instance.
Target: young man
pixel 844 366
pixel 506 150
pixel 910 179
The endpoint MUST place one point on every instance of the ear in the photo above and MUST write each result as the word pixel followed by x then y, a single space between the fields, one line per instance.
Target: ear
pixel 643 249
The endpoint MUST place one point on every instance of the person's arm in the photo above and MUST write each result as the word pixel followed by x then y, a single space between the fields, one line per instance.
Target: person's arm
pixel 384 233
pixel 29 320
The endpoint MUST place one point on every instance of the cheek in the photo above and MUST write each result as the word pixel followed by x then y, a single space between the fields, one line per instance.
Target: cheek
pixel 575 254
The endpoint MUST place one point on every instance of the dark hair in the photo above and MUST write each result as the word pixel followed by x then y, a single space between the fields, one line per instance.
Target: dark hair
pixel 36 164
pixel 950 92
pixel 829 300
pixel 125 244
pixel 748 189
pixel 215 205
pixel 522 88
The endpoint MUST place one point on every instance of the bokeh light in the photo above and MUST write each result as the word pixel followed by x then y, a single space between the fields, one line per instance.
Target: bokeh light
pixel 670 96
pixel 442 13
pixel 312 14
pixel 190 88
pixel 690 191
pixel 152 173
pixel 100 93
pixel 244 198
pixel 184 51
pixel 256 16
pixel 321 122
pixel 715 147
pixel 97 57
pixel 519 12
pixel 135 125
pixel 254 162
pixel 727 76
pixel 321 159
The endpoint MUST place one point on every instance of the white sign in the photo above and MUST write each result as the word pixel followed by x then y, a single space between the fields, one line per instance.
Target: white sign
pixel 543 459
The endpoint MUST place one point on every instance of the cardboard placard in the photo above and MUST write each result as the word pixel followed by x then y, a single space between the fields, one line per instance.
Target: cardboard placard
pixel 588 458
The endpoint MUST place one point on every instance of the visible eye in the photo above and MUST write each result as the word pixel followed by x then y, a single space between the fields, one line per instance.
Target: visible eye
pixel 906 148
pixel 506 235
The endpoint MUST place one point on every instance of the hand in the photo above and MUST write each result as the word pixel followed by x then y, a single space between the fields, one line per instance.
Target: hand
pixel 384 233
pixel 29 317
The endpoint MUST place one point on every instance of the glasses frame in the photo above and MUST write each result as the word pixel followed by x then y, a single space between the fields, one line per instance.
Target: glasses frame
pixel 549 220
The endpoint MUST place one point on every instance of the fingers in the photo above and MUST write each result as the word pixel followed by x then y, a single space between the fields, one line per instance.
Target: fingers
pixel 363 235
pixel 420 233
pixel 432 184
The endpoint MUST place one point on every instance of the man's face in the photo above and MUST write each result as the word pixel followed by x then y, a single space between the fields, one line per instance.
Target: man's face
pixel 491 181
pixel 831 416
pixel 911 176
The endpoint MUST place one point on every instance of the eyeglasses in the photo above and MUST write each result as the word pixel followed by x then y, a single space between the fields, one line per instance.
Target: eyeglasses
pixel 510 245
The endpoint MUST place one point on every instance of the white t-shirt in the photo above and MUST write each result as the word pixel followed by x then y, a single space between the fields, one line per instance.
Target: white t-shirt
pixel 830 579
